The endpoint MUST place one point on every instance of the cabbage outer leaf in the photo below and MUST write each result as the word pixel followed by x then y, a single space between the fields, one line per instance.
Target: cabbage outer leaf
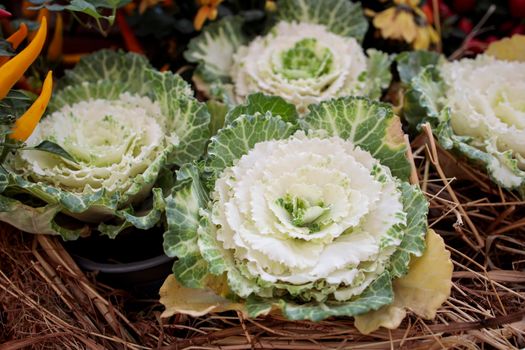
pixel 186 116
pixel 36 219
pixel 410 63
pixel 341 17
pixel 143 222
pixel 213 50
pixel 240 136
pixel 377 73
pixel 257 102
pixel 413 243
pixel 378 294
pixel 130 70
pixel 180 239
pixel 218 112
pixel 423 99
pixel 370 125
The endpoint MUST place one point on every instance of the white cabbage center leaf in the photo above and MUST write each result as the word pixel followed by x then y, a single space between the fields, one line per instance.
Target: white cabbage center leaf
pixel 487 100
pixel 112 141
pixel 309 209
pixel 301 62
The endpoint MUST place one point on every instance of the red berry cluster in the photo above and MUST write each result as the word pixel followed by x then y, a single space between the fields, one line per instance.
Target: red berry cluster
pixel 460 16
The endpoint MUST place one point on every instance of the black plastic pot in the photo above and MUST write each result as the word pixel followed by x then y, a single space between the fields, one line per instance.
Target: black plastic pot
pixel 134 261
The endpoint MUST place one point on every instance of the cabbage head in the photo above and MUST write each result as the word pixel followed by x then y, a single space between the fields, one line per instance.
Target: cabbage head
pixel 311 54
pixel 102 156
pixel 314 218
pixel 476 107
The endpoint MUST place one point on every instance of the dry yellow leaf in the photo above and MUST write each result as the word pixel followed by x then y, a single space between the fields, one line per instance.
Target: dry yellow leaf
pixel 192 301
pixel 510 49
pixel 423 290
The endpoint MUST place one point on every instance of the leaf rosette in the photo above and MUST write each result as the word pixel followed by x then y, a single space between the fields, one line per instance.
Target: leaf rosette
pixel 477 108
pixel 314 220
pixel 311 54
pixel 103 153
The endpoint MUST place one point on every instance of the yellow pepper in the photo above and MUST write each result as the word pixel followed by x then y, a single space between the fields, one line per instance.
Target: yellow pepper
pixel 54 51
pixel 15 40
pixel 25 125
pixel 15 68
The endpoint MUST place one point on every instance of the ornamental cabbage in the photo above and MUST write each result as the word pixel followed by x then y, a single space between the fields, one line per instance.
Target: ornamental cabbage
pixel 104 152
pixel 477 107
pixel 315 219
pixel 311 54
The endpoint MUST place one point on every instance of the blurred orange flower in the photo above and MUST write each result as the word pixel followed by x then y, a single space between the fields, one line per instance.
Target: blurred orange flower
pixel 207 10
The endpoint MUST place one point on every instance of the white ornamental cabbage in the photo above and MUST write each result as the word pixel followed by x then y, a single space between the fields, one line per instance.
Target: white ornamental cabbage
pixel 303 63
pixel 311 54
pixel 110 142
pixel 116 127
pixel 478 108
pixel 486 97
pixel 315 219
pixel 304 211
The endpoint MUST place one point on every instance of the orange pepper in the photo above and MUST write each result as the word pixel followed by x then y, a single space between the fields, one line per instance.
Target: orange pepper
pixel 17 37
pixel 15 40
pixel 15 67
pixel 54 51
pixel 25 125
